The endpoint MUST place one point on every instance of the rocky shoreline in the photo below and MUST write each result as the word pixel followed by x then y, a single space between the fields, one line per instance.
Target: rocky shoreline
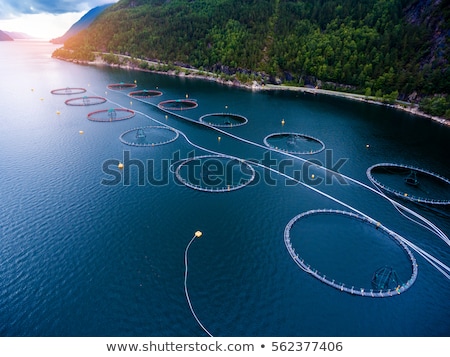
pixel 255 86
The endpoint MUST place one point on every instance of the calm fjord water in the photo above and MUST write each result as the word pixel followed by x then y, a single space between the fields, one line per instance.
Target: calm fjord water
pixel 78 258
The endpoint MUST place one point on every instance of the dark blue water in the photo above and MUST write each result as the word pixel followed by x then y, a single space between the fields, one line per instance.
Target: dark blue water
pixel 82 258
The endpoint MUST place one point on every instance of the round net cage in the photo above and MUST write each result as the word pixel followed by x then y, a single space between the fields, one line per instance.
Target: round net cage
pixel 110 115
pixel 214 173
pixel 68 91
pixel 411 183
pixel 149 136
pixel 85 101
pixel 344 250
pixel 145 93
pixel 294 143
pixel 223 120
pixel 121 86
pixel 178 104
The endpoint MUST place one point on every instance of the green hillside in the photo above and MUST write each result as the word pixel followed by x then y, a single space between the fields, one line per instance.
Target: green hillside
pixel 396 48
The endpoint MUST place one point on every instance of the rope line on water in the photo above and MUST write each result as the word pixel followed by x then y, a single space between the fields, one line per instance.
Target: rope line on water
pixel 186 292
pixel 441 267
pixel 433 228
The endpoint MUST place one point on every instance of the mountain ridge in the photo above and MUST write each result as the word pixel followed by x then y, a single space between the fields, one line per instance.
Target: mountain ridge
pixel 5 37
pixel 81 24
pixel 395 48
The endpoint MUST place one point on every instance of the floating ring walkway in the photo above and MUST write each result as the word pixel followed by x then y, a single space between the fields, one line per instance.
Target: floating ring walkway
pixel 121 86
pixel 68 91
pixel 221 175
pixel 404 194
pixel 227 120
pixel 109 115
pixel 84 101
pixel 145 93
pixel 289 142
pixel 140 136
pixel 340 286
pixel 426 223
pixel 178 104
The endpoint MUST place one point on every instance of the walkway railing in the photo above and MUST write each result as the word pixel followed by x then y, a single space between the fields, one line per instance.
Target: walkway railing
pixel 341 286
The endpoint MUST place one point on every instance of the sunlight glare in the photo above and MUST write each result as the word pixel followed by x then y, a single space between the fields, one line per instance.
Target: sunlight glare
pixel 42 26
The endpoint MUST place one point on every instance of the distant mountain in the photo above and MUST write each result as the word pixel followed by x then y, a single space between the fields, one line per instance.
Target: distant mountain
pixel 81 24
pixel 5 37
pixel 18 35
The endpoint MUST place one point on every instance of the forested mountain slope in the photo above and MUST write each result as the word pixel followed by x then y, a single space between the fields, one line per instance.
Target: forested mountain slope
pixel 395 47
pixel 82 23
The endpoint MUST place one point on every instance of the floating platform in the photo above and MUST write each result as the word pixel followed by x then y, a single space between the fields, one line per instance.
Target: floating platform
pixel 85 101
pixel 149 136
pixel 110 115
pixel 145 93
pixel 178 104
pixel 223 120
pixel 414 184
pixel 68 91
pixel 381 291
pixel 215 173
pixel 121 86
pixel 294 143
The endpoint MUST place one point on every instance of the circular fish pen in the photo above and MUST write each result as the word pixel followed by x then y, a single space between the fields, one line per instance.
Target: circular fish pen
pixel 223 120
pixel 178 104
pixel 383 282
pixel 294 143
pixel 110 115
pixel 145 93
pixel 215 173
pixel 149 136
pixel 411 183
pixel 68 91
pixel 85 101
pixel 121 86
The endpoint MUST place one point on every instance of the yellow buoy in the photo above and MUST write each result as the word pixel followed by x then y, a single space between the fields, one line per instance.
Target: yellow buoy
pixel 42 98
pixel 219 138
pixel 312 176
pixel 282 122
pixel 406 195
pixel 58 112
pixel 120 166
pixel 167 117
pixel 131 103
pixel 187 96
pixel 81 132
pixel 135 81
pixel 198 234
pixel 367 146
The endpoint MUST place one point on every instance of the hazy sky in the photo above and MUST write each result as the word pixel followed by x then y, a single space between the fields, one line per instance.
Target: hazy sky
pixel 45 19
